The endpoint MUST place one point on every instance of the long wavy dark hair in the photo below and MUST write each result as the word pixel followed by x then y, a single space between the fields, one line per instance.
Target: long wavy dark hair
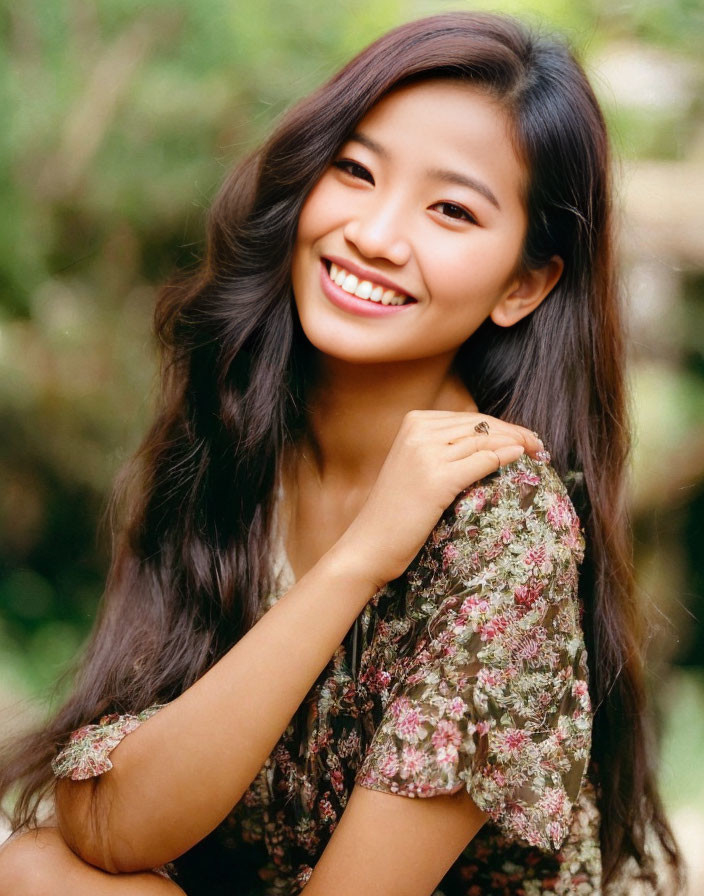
pixel 192 511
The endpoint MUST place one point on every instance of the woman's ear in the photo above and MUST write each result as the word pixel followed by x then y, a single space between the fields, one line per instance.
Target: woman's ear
pixel 527 292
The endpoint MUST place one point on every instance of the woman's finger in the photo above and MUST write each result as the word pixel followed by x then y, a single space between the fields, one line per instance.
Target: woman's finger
pixel 451 420
pixel 457 434
pixel 482 463
pixel 465 444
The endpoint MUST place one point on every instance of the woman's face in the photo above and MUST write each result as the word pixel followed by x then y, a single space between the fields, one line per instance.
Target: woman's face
pixel 422 205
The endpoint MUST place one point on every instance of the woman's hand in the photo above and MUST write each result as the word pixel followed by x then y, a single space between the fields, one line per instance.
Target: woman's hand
pixel 435 456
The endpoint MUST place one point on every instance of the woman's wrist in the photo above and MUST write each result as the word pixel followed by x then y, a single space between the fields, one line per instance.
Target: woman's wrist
pixel 348 560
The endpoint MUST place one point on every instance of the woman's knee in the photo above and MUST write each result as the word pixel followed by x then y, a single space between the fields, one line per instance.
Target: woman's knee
pixel 39 863
pixel 28 862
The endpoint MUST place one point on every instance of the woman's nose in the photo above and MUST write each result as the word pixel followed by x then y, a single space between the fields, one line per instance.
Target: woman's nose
pixel 377 232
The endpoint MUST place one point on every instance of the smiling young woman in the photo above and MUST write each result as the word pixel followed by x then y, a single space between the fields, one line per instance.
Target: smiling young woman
pixel 361 631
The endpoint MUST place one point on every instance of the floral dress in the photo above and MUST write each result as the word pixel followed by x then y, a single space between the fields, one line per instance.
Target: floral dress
pixel 469 670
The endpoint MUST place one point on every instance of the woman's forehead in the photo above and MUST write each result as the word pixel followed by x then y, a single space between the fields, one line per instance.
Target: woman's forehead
pixel 444 125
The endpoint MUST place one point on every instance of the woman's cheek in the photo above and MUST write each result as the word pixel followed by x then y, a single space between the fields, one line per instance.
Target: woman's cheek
pixel 321 209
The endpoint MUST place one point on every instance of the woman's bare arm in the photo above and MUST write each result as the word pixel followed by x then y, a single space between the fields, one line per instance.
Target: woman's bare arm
pixel 179 774
pixel 395 845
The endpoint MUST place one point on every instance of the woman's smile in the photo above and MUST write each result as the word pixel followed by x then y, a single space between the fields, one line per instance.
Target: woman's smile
pixel 366 297
pixel 390 289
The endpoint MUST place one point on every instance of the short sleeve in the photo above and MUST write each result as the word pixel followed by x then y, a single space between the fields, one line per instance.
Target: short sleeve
pixel 87 753
pixel 495 695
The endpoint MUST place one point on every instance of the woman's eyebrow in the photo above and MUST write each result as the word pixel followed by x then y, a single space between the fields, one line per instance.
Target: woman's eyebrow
pixel 442 174
pixel 464 180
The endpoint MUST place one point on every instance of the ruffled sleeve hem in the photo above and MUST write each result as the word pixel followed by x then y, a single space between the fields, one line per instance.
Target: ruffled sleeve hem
pixel 414 788
pixel 544 823
pixel 539 819
pixel 87 753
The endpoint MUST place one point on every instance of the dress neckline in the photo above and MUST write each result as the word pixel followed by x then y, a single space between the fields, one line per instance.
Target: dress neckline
pixel 284 575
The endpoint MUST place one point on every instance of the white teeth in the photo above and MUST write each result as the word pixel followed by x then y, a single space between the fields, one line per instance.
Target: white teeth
pixel 349 284
pixel 364 290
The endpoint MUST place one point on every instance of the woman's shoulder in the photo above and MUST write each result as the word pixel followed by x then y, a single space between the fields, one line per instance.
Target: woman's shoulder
pixel 516 525
pixel 526 497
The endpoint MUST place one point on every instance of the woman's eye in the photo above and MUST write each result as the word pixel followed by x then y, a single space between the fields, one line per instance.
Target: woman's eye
pixel 450 210
pixel 354 169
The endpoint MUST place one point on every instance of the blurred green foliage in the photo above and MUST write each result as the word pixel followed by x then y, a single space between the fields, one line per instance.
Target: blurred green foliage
pixel 121 119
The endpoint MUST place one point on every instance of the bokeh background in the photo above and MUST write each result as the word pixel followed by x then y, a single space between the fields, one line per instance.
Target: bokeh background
pixel 120 120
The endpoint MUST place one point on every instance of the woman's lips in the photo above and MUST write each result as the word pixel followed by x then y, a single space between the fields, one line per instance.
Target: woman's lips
pixel 364 274
pixel 347 302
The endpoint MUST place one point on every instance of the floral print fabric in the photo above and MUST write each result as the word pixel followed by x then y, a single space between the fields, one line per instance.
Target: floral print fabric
pixel 87 753
pixel 467 671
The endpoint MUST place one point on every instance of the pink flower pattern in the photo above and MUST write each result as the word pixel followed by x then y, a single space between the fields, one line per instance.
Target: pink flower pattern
pixel 88 750
pixel 471 673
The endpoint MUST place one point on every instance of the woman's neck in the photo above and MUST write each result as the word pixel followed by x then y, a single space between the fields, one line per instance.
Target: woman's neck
pixel 355 411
